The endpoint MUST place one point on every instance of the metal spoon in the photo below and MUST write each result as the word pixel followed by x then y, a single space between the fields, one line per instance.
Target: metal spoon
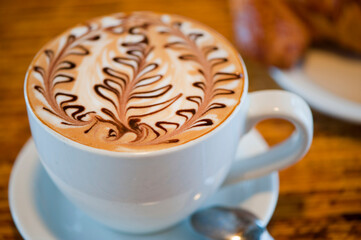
pixel 224 223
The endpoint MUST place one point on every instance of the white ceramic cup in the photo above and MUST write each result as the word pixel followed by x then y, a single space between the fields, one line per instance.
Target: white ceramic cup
pixel 147 192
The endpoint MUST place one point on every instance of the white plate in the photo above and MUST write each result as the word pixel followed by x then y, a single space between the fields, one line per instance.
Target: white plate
pixel 41 212
pixel 330 82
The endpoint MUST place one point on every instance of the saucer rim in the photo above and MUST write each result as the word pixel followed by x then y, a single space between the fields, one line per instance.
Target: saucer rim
pixel 29 148
pixel 295 80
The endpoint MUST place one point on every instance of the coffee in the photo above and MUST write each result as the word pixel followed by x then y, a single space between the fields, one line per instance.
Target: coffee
pixel 135 82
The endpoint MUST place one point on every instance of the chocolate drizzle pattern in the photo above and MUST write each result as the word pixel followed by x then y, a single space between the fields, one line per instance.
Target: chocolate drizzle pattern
pixel 133 86
pixel 126 89
pixel 56 74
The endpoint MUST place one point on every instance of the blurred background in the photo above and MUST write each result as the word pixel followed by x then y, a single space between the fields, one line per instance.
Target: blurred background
pixel 320 197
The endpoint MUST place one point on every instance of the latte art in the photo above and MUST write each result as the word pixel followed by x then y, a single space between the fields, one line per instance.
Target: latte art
pixel 135 82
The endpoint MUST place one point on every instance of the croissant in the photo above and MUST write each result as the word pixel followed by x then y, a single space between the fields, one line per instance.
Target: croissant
pixel 334 21
pixel 278 32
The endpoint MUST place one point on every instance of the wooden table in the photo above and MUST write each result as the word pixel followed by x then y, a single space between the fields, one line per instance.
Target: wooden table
pixel 320 197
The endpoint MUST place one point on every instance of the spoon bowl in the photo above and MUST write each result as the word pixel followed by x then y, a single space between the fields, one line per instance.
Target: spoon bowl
pixel 225 223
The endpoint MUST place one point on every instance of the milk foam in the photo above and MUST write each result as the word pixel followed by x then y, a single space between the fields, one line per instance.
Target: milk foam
pixel 135 82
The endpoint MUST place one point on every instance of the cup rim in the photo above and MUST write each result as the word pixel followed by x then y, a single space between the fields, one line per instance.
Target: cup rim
pixel 150 153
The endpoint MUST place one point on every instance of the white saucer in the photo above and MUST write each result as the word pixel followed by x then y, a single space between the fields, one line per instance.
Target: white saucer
pixel 330 82
pixel 41 212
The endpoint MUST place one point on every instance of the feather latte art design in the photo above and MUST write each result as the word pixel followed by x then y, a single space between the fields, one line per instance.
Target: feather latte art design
pixel 135 82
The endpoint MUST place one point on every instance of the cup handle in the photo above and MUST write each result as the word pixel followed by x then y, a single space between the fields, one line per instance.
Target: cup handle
pixel 275 104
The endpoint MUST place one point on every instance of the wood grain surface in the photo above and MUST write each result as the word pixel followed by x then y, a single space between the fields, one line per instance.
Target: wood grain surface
pixel 320 197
